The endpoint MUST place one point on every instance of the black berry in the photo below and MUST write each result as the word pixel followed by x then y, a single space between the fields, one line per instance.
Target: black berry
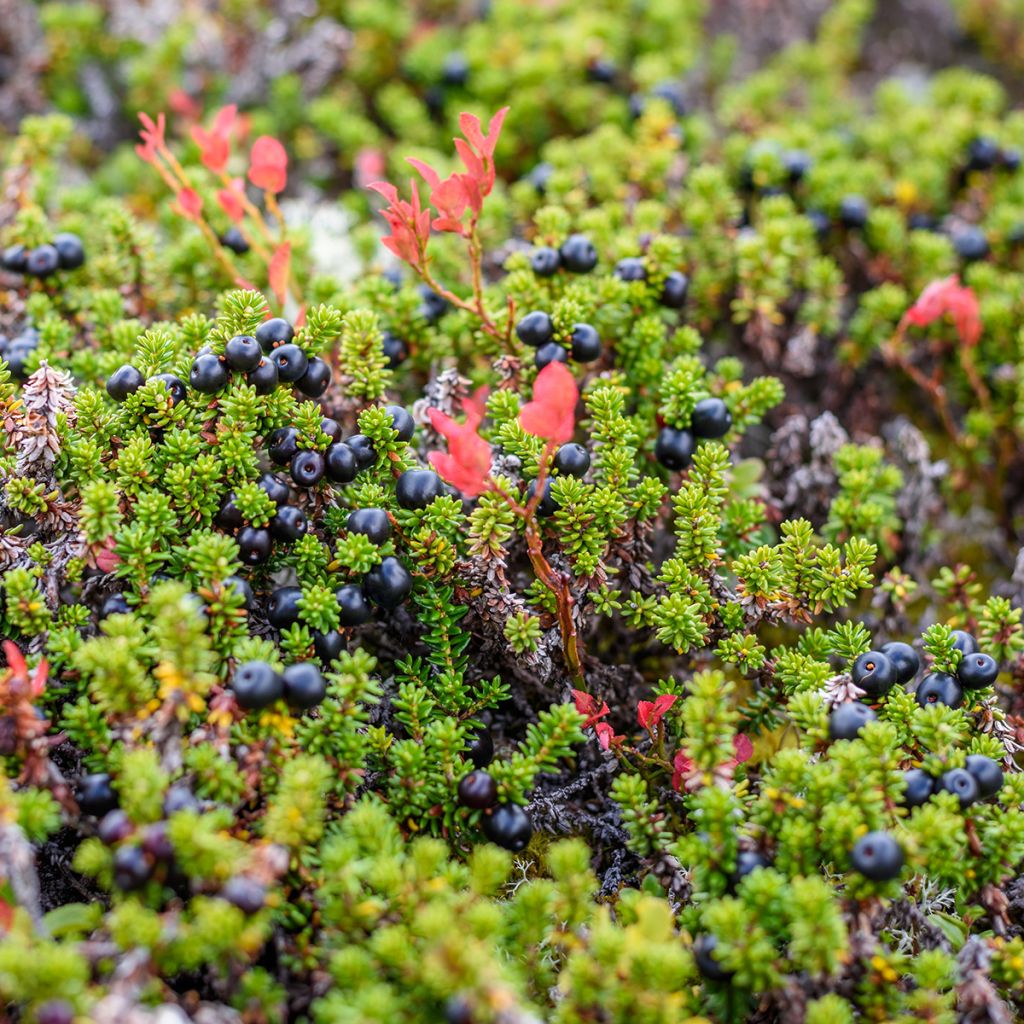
pixel 970 243
pixel 977 671
pixel 674 448
pixel 535 329
pixel 289 525
pixel 904 660
pixel 234 240
pixel 877 856
pixel 95 795
pixel 363 449
pixel 987 774
pixel 964 642
pixel 417 488
pixel 275 488
pixel 283 608
pixel 70 251
pixel 874 673
pixel 243 353
pixel 373 523
pixel 675 290
pixel 847 720
pixel 307 468
pixel 571 459
pixel 545 261
pixel 254 545
pixel 282 445
pixel 230 515
pixel 939 688
pixel 115 604
pixel 402 421
pixel 256 685
pixel 388 584
pixel 328 646
pixel 432 306
pixel 242 588
pixel 395 350
pixel 711 418
pixel 478 791
pixel 578 254
pixel 42 261
pixel 631 268
pixel 15 259
pixel 480 747
pixel 208 374
pixel 919 787
pixel 509 826
pixel 340 463
pixel 132 868
pixel 547 506
pixel 291 362
pixel 274 331
pixel 853 211
pixel 704 956
pixel 113 827
pixel 264 378
pixel 747 862
pixel 175 387
pixel 352 604
pixel 124 381
pixel 982 154
pixel 586 343
pixel 552 352
pixel 962 784
pixel 245 893
pixel 316 380
pixel 796 164
pixel 304 686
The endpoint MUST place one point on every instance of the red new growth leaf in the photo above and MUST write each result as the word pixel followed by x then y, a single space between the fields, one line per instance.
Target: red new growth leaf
pixel 587 705
pixel 650 713
pixel 552 412
pixel 948 296
pixel 683 767
pixel 477 152
pixel 230 200
pixel 606 735
pixel 17 669
pixel 268 164
pixel 215 144
pixel 152 135
pixel 409 223
pixel 449 197
pixel 190 203
pixel 279 269
pixel 184 105
pixel 468 462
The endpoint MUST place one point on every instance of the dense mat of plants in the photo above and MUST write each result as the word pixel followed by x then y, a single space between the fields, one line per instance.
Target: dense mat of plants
pixel 580 581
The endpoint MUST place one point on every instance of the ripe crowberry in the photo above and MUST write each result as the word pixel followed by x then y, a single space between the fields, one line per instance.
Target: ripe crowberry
pixel 95 795
pixel 477 790
pixel 417 488
pixel 402 421
pixel 540 176
pixel 874 673
pixel 395 350
pixel 132 868
pixel 987 774
pixel 711 418
pixel 275 488
pixel 388 584
pixel 877 856
pixel 113 827
pixel 316 380
pixel 264 378
pixel 230 515
pixel 480 747
pixel 586 343
pixel 970 243
pixel 115 604
pixel 578 254
pixel 175 387
pixel 243 353
pixel 70 251
pixel 234 240
pixel 796 164
pixel 289 525
pixel 976 671
pixel 256 685
pixel 274 331
pixel 919 787
pixel 340 463
pixel 571 459
pixel 602 70
pixel 124 381
pixel 42 261
pixel 939 688
pixel 547 506
pixel 904 660
pixel 15 259
pixel 962 784
pixel 964 642
pixel 545 261
pixel 291 362
pixel 847 720
pixel 332 428
pixel 853 211
pixel 551 352
pixel 283 445
pixel 631 268
pixel 675 290
pixel 208 374
pixel 254 545
pixel 242 588
pixel 328 646
pixel 432 306
pixel 747 862
pixel 535 329
pixel 245 893
pixel 674 448
pixel 304 686
pixel 353 607
pixel 982 153
pixel 373 523
pixel 283 607
pixel 307 468
pixel 362 448
pixel 704 957
pixel 509 826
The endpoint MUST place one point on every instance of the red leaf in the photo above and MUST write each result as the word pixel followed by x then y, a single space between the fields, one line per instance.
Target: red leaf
pixel 552 412
pixel 215 145
pixel 230 200
pixel 279 270
pixel 190 203
pixel 184 105
pixel 948 297
pixel 268 164
pixel 15 659
pixel 743 748
pixel 650 713
pixel 467 465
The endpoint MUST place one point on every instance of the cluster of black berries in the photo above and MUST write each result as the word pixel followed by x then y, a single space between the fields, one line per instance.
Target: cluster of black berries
pixel 256 685
pixel 710 419
pixel 673 290
pixel 536 330
pixel 571 459
pixel 256 543
pixel 65 252
pixel 17 351
pixel 506 824
pixel 980 779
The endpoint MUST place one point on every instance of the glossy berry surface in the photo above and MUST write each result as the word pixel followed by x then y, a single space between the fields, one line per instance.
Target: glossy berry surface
pixel 939 688
pixel 283 607
pixel 586 343
pixel 986 773
pixel 208 375
pixel 711 418
pixel 95 794
pixel 362 448
pixel 535 329
pixel 874 673
pixel 480 747
pixel 545 261
pixel 509 826
pixel 124 381
pixel 977 671
pixel 417 488
pixel 578 254
pixel 373 523
pixel 291 362
pixel 551 352
pixel 631 268
pixel 256 685
pixel 328 646
pixel 919 787
pixel 243 353
pixel 70 250
pixel 704 956
pixel 304 686
pixel 853 211
pixel 674 448
pixel 115 604
pixel 282 445
pixel 353 607
pixel 547 506
pixel 332 428
pixel 175 386
pixel 42 261
pixel 571 459
pixel 847 720
pixel 402 421
pixel 877 856
pixel 316 380
pixel 478 790
pixel 275 488
pixel 15 259
pixel 242 588
pixel 254 545
pixel 245 893
pixel 234 240
pixel 264 377
pixel 289 525
pixel 389 584
pixel 395 350
pixel 113 827
pixel 962 784
pixel 340 463
pixel 132 868
pixel 905 660
pixel 964 642
pixel 307 468
pixel 274 331
pixel 675 289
